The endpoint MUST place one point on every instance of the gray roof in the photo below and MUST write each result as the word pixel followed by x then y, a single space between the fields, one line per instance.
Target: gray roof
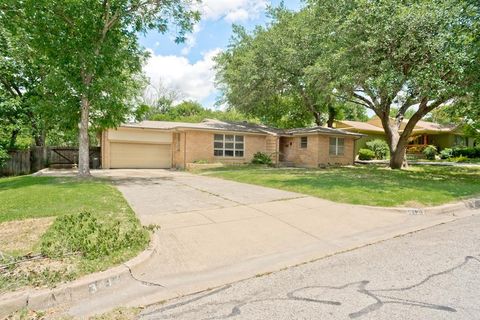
pixel 321 130
pixel 212 124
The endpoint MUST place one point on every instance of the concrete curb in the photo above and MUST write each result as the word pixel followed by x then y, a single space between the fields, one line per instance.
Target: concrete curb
pixel 75 290
pixel 457 209
pixel 89 285
pixel 196 282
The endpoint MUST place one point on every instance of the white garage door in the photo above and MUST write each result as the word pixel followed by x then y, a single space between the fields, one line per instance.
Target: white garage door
pixel 140 156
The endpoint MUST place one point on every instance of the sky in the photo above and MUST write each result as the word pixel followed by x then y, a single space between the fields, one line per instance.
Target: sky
pixel 188 68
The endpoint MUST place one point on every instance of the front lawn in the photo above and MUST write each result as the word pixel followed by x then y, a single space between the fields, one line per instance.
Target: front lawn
pixel 59 228
pixel 366 185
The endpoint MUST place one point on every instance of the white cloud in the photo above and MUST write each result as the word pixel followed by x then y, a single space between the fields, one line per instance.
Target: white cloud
pixel 191 40
pixel 193 80
pixel 232 10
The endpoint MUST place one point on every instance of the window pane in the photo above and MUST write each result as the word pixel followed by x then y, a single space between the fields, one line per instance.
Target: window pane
pixel 238 146
pixel 340 151
pixel 218 153
pixel 333 141
pixel 238 153
pixel 228 153
pixel 341 141
pixel 332 150
pixel 218 137
pixel 218 145
pixel 229 137
pixel 228 145
pixel 239 138
pixel 303 142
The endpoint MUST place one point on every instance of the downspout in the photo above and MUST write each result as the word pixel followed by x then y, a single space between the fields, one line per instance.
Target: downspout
pixel 185 150
pixel 354 148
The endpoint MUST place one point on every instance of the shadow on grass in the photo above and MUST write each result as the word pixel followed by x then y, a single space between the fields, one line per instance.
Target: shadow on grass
pixel 372 185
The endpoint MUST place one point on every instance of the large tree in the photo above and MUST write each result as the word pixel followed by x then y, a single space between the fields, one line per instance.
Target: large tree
pixel 20 78
pixel 263 73
pixel 92 52
pixel 408 54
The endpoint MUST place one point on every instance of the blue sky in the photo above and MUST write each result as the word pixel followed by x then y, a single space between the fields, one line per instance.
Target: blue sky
pixel 187 68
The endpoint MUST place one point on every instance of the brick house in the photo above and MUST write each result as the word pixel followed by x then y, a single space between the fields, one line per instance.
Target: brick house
pixel 162 144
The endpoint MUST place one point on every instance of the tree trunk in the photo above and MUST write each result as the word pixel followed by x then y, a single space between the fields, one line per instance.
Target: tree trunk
pixel 332 113
pixel 397 159
pixel 13 138
pixel 318 118
pixel 83 141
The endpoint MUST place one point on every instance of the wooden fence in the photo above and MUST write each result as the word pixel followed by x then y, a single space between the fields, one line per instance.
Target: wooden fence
pixel 37 158
pixel 18 163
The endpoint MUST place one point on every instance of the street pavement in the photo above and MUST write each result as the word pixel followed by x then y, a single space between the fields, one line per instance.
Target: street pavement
pixel 429 274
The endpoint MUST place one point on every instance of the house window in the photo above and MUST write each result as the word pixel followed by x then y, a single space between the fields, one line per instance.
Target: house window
pixel 460 141
pixel 337 146
pixel 303 142
pixel 228 145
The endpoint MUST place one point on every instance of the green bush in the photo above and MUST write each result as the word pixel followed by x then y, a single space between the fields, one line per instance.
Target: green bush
pixel 261 158
pixel 84 234
pixel 380 148
pixel 430 152
pixel 366 154
pixel 458 159
pixel 466 152
pixel 3 157
pixel 201 161
pixel 446 153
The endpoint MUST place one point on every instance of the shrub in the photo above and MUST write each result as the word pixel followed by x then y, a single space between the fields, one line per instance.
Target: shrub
pixel 446 153
pixel 83 233
pixel 430 152
pixel 466 152
pixel 261 158
pixel 458 159
pixel 3 157
pixel 379 147
pixel 366 154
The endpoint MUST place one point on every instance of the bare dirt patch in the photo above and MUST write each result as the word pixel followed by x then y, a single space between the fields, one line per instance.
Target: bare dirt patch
pixel 20 237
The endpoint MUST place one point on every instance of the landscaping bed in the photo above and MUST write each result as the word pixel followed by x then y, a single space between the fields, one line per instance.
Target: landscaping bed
pixel 374 185
pixel 54 229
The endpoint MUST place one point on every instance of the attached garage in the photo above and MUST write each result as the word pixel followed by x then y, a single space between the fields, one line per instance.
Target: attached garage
pixel 140 156
pixel 133 148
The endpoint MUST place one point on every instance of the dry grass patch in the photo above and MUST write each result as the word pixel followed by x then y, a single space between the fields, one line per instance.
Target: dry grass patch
pixel 20 237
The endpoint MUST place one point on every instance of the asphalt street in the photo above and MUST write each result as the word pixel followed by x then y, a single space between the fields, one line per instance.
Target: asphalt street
pixel 430 274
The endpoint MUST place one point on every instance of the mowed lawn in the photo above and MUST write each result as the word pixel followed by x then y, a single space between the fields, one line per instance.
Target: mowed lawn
pixel 34 197
pixel 88 220
pixel 365 185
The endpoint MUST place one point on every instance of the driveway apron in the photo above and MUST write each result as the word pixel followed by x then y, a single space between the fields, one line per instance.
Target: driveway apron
pixel 214 231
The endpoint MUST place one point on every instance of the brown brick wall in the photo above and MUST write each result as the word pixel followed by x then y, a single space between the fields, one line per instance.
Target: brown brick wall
pixel 272 147
pixel 326 159
pixel 199 146
pixel 302 157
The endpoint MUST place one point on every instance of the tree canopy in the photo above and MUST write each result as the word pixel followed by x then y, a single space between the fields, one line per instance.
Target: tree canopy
pixel 92 53
pixel 396 58
pixel 265 73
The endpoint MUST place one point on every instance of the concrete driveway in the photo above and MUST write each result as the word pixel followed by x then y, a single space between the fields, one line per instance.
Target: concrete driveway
pixel 214 231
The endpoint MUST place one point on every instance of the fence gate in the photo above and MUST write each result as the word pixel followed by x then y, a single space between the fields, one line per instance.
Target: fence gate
pixel 68 156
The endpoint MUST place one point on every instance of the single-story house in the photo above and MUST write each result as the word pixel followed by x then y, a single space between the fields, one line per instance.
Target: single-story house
pixel 425 133
pixel 162 144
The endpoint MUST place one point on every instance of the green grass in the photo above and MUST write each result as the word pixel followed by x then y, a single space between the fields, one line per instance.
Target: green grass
pixel 34 197
pixel 365 185
pixel 111 221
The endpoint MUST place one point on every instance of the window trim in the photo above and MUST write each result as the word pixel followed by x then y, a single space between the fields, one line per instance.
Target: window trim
pixel 336 154
pixel 302 145
pixel 234 148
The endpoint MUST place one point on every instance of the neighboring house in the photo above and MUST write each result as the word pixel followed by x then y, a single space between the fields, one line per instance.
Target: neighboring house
pixel 161 144
pixel 425 133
